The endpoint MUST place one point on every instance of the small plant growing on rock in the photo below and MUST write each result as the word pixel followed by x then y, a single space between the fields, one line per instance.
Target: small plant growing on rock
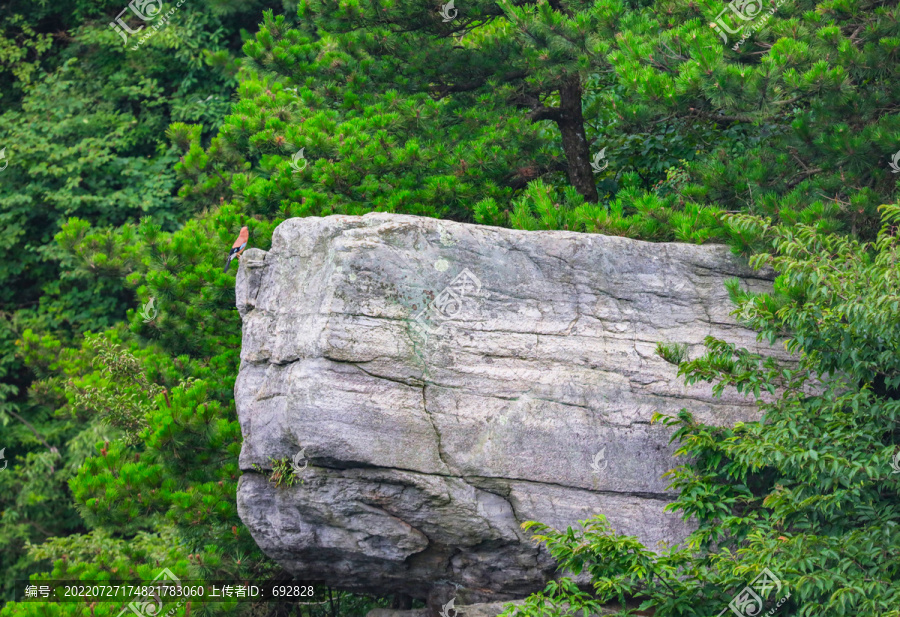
pixel 282 473
pixel 674 353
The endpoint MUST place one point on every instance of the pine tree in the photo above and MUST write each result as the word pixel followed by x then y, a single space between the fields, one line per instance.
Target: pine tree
pixel 813 90
pixel 533 57
pixel 83 134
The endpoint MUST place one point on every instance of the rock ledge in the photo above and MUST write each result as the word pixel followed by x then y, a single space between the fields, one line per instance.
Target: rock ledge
pixel 438 384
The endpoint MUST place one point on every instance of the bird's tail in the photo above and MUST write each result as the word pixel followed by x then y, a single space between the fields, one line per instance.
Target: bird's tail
pixel 227 264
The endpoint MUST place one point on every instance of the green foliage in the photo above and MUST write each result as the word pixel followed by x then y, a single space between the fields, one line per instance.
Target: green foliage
pixel 282 472
pixel 125 397
pixel 633 213
pixel 469 127
pixel 673 353
pixel 182 471
pixel 808 491
pixel 83 126
pixel 367 147
pixel 813 86
pixel 20 50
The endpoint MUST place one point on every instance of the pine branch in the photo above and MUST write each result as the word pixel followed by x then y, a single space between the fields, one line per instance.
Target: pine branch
pixel 33 430
pixel 803 176
pixel 545 113
pixel 711 116
pixel 445 89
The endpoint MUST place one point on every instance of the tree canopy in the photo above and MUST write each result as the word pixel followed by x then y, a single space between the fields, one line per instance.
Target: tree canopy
pixel 130 171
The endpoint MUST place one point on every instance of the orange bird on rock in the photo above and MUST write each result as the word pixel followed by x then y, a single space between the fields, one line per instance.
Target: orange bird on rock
pixel 238 247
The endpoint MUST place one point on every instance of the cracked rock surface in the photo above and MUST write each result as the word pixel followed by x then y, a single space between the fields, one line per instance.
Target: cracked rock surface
pixel 524 391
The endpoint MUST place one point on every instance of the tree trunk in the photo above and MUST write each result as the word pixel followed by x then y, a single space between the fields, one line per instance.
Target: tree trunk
pixel 574 139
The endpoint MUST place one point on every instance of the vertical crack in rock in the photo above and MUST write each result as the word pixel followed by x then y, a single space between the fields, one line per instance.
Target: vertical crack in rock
pixel 437 433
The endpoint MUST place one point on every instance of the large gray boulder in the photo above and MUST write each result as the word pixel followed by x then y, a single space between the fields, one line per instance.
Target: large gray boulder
pixel 437 384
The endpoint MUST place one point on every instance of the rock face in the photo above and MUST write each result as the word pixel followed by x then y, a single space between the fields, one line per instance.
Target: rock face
pixel 437 384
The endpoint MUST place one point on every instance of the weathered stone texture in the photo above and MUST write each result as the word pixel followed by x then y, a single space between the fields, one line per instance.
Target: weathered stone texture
pixel 428 447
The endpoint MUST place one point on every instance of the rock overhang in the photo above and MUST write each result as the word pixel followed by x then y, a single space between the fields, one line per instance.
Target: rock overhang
pixel 447 382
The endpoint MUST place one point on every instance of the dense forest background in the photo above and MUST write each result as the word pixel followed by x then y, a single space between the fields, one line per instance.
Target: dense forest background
pixel 130 162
